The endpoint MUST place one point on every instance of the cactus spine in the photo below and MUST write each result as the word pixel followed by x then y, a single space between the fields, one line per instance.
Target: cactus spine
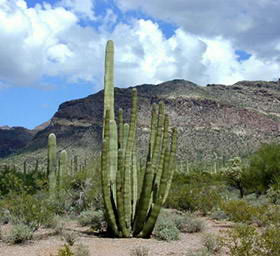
pixel 130 212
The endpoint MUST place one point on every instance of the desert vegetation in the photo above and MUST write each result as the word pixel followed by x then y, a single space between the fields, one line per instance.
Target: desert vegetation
pixel 123 194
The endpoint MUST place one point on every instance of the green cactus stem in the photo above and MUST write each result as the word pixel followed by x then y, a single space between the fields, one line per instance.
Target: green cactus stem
pixel 133 194
pixel 52 163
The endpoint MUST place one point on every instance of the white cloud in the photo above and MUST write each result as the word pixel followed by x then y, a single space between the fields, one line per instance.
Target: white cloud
pixel 25 35
pixel 252 25
pixel 83 8
pixel 48 41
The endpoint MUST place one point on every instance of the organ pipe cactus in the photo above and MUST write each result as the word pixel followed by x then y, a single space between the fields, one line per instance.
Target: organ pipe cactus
pixel 133 200
pixel 63 164
pixel 52 163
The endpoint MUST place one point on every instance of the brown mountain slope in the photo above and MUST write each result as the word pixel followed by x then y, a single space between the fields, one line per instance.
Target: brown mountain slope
pixel 213 121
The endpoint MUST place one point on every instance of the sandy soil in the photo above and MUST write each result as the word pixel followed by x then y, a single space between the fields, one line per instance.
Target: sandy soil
pixel 46 245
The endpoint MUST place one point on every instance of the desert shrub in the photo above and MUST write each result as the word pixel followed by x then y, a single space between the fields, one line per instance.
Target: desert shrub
pixel 14 181
pixel 273 194
pixel 193 197
pixel 92 218
pixel 240 241
pixel 69 237
pixel 18 234
pixel 4 216
pixel 246 240
pixel 241 211
pixel 212 243
pixel 264 167
pixel 81 250
pixel 57 223
pixel 269 241
pixel 166 229
pixel 65 251
pixel 271 215
pixel 26 209
pixel 219 215
pixel 168 233
pixel 78 192
pixel 139 251
pixel 189 224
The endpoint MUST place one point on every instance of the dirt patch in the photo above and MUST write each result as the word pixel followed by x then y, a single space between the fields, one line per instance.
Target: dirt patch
pixel 99 246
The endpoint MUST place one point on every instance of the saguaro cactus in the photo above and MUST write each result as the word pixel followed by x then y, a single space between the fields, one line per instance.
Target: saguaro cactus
pixel 130 212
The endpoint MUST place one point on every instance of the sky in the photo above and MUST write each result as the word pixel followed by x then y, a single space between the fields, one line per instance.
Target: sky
pixel 52 51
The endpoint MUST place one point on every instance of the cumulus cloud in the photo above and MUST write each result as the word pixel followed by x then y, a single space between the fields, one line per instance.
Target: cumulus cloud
pixel 49 41
pixel 26 35
pixel 85 8
pixel 252 25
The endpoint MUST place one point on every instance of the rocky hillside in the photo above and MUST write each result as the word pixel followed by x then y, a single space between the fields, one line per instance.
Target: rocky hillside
pixel 13 139
pixel 214 121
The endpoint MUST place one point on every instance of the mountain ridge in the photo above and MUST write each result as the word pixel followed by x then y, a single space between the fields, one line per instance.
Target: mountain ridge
pixel 213 121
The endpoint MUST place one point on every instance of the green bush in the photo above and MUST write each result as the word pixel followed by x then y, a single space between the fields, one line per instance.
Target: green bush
pixel 13 181
pixel 264 167
pixel 194 197
pixel 195 191
pixel 65 251
pixel 273 194
pixel 189 224
pixel 30 210
pixel 92 218
pixel 212 243
pixel 246 240
pixel 69 237
pixel 165 228
pixel 219 215
pixel 241 211
pixel 18 234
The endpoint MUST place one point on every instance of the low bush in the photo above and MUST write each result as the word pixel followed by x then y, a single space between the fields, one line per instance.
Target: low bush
pixel 92 218
pixel 18 234
pixel 219 215
pixel 189 224
pixel 212 243
pixel 194 191
pixel 241 211
pixel 166 229
pixel 69 237
pixel 246 240
pixel 30 210
pixel 273 194
pixel 57 223
pixel 13 181
pixel 65 251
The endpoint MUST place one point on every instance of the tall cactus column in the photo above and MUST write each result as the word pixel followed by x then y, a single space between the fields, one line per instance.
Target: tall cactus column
pixel 52 164
pixel 130 212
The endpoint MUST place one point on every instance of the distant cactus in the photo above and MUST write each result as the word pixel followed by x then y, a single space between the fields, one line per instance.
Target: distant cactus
pixel 63 164
pixel 130 212
pixel 234 174
pixel 52 164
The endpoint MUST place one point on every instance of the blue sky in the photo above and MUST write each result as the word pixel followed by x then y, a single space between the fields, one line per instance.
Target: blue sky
pixel 53 51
